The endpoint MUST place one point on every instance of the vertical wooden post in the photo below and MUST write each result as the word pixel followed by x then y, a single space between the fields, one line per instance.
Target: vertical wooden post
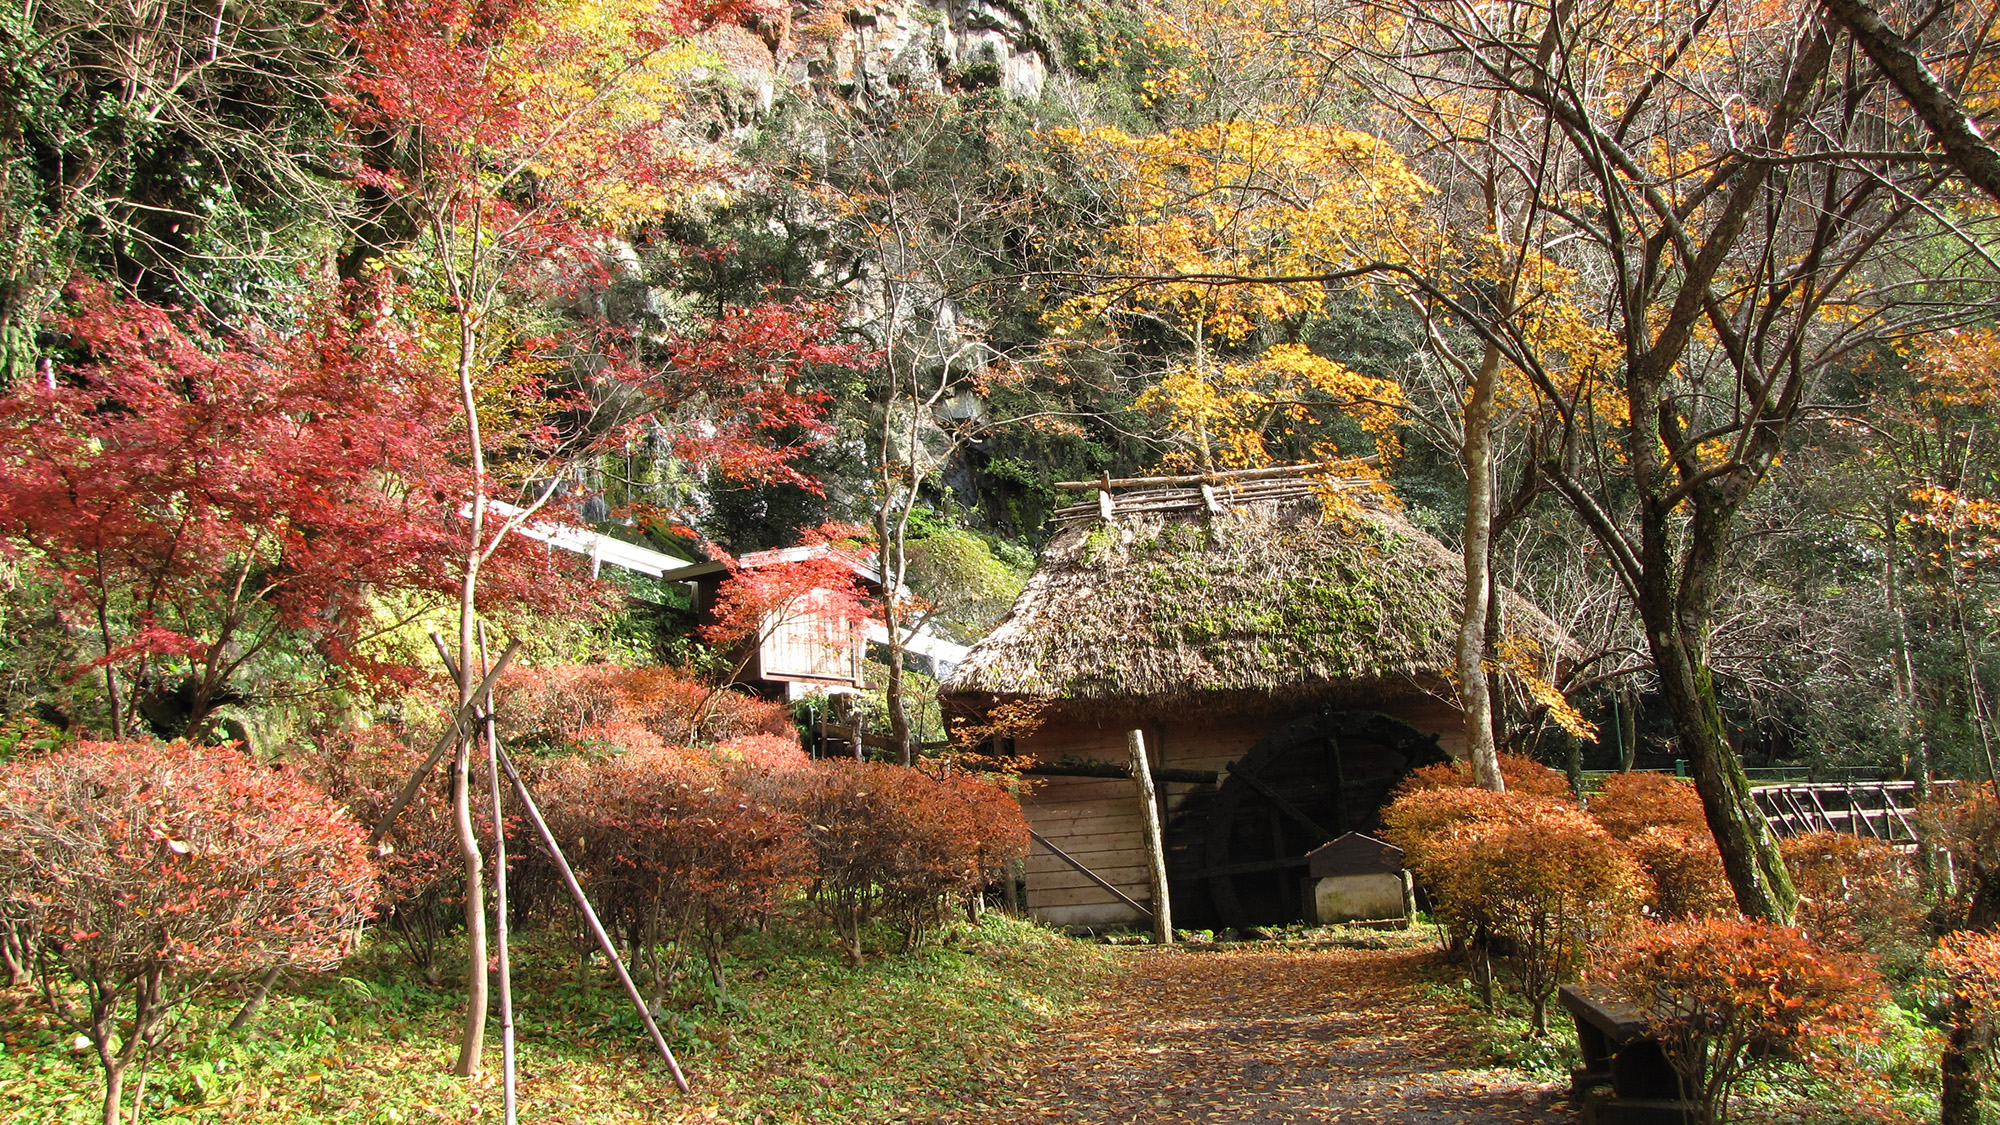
pixel 1156 851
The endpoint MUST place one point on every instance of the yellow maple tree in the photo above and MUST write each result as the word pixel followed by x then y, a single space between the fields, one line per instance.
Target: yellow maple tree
pixel 1229 229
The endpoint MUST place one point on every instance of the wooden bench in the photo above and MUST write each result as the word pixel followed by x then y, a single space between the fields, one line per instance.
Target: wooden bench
pixel 1626 1078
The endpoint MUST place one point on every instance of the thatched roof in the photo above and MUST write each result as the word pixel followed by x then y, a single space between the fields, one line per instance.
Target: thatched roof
pixel 1268 600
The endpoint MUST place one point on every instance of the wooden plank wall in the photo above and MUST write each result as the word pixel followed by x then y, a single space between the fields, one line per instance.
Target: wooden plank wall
pixel 1097 819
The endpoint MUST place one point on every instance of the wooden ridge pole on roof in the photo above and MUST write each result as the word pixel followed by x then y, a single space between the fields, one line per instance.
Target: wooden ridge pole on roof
pixel 1276 472
pixel 1156 852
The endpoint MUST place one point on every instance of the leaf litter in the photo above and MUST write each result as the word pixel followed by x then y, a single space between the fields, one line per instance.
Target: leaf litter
pixel 1261 1035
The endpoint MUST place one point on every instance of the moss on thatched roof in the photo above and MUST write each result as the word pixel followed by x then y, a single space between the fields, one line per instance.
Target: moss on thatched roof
pixel 1272 600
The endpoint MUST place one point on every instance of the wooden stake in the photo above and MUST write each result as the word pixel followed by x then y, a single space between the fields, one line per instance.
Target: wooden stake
pixel 1156 851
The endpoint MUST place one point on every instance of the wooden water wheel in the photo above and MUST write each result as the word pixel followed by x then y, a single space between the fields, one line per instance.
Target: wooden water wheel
pixel 1240 848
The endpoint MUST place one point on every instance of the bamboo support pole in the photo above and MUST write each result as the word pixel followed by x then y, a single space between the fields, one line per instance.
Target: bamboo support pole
pixel 465 716
pixel 590 916
pixel 505 975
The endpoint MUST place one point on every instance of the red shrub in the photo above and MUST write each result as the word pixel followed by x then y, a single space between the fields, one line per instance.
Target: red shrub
pixel 673 847
pixel 565 707
pixel 891 839
pixel 1684 871
pixel 845 806
pixel 1630 803
pixel 145 872
pixel 1854 895
pixel 770 753
pixel 957 834
pixel 1724 994
pixel 422 874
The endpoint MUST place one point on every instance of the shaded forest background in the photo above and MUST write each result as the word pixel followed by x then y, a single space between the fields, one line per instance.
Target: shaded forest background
pixel 971 230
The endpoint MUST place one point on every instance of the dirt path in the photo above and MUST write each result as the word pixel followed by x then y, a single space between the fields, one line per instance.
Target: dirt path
pixel 1242 1037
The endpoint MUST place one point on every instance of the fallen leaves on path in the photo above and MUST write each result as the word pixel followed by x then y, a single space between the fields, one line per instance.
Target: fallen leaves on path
pixel 1255 1036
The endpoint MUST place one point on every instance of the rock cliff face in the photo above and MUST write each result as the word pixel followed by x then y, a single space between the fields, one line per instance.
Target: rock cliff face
pixel 872 51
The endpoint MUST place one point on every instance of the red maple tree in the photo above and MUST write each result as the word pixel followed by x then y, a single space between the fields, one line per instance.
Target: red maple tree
pixel 201 498
pixel 816 589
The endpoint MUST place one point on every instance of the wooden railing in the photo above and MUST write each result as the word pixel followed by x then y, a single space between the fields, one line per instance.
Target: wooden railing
pixel 1882 810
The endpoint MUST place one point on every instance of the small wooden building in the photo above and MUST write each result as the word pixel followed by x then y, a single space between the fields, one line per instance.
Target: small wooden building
pixel 1287 661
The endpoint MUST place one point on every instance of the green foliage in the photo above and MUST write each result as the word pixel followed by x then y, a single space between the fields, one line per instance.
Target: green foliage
pixel 190 153
pixel 803 1039
pixel 969 579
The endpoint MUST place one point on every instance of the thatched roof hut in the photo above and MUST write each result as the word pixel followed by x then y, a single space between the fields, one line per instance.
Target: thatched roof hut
pixel 1280 601
pixel 1286 661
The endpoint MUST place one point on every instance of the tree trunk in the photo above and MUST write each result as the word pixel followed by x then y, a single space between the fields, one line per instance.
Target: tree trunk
pixel 1960 1089
pixel 1628 728
pixel 889 537
pixel 473 1045
pixel 1969 151
pixel 1473 693
pixel 114 1091
pixel 1750 855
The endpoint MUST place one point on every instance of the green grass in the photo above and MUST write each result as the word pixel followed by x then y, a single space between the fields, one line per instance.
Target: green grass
pixel 804 1038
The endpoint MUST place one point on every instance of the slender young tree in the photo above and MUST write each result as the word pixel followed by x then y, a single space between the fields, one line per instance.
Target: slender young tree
pixel 521 140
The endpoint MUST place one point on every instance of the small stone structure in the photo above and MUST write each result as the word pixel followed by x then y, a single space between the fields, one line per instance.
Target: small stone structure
pixel 1358 878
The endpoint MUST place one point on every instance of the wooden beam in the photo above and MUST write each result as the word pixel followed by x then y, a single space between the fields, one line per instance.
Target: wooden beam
pixel 1113 770
pixel 1156 849
pixel 1087 873
pixel 1253 867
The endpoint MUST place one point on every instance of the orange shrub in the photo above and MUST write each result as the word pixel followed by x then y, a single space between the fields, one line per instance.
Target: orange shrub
pixel 1421 822
pixel 1967 824
pixel 1966 966
pixel 1725 994
pixel 1854 895
pixel 1522 774
pixel 1555 887
pixel 1630 803
pixel 1535 873
pixel 1683 872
